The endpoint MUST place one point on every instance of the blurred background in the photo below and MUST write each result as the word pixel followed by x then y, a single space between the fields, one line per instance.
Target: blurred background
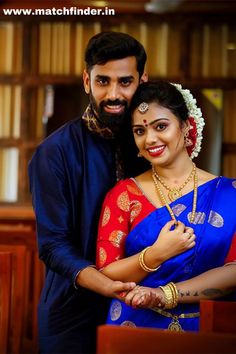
pixel 188 41
pixel 192 42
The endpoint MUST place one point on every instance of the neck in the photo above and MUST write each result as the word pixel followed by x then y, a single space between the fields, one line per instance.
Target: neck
pixel 177 172
pixel 175 186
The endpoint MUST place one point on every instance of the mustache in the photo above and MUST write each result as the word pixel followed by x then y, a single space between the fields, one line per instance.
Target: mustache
pixel 116 102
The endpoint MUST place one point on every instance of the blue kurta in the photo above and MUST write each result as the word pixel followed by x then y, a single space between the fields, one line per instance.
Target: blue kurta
pixel 70 173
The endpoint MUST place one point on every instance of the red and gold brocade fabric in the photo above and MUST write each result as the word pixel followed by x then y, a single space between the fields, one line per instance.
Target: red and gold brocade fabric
pixel 123 208
pixel 231 257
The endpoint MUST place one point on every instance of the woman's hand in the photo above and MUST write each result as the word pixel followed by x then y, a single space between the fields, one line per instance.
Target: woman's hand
pixel 144 297
pixel 172 242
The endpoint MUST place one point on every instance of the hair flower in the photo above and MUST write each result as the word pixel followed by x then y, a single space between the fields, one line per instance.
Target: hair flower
pixel 196 121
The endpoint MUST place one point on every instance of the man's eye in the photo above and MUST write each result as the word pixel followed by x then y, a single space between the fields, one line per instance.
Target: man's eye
pixel 102 82
pixel 126 82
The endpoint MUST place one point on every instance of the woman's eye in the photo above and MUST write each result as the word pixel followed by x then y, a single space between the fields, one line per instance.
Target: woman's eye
pixel 161 126
pixel 138 131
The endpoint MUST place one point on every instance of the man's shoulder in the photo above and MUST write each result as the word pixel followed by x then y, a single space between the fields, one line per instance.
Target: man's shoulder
pixel 60 142
pixel 63 133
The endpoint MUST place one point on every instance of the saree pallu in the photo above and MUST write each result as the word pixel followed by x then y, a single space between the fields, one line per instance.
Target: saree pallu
pixel 214 226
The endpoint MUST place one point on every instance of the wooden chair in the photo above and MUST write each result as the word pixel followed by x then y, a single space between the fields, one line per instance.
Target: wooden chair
pixel 128 340
pixel 33 282
pixel 5 290
pixel 17 217
pixel 218 316
pixel 17 299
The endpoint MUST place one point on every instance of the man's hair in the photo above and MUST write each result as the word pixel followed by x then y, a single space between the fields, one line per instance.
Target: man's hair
pixel 106 46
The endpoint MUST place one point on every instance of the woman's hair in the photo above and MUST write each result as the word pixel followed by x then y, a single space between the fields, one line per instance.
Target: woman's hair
pixel 106 46
pixel 163 93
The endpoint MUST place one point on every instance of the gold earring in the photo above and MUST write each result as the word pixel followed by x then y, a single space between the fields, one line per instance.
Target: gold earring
pixel 187 140
pixel 139 154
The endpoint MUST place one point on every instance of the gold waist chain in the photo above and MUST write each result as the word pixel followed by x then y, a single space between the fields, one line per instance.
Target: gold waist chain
pixel 175 325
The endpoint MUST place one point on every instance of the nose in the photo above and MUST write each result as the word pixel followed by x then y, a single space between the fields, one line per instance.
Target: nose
pixel 151 137
pixel 113 92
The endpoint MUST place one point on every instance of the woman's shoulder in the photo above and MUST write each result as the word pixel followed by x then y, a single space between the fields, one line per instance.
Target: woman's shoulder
pixel 221 181
pixel 229 184
pixel 125 187
pixel 127 184
pixel 205 176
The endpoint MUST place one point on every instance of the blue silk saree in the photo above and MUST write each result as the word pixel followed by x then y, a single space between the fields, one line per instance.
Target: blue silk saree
pixel 214 226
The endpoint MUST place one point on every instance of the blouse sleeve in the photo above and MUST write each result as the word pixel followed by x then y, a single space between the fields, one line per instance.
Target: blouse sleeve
pixel 231 257
pixel 113 226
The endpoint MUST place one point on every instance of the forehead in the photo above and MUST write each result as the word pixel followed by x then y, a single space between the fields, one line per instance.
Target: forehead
pixel 116 68
pixel 155 111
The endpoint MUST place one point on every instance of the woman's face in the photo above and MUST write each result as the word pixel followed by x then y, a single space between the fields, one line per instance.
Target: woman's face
pixel 158 135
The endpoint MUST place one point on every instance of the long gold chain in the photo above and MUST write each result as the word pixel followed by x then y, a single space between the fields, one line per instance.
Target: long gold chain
pixel 175 193
pixel 165 202
pixel 162 197
pixel 195 186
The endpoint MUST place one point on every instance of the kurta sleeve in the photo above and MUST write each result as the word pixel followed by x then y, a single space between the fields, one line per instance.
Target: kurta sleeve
pixel 51 197
pixel 114 226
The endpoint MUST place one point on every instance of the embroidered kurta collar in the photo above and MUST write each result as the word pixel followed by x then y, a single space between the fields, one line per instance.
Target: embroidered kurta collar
pixel 94 125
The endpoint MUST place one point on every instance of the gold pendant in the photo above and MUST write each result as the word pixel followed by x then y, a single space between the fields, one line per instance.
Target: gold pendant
pixel 175 326
pixel 174 194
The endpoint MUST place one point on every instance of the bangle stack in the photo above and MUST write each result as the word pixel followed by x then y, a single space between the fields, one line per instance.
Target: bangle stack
pixel 142 262
pixel 171 295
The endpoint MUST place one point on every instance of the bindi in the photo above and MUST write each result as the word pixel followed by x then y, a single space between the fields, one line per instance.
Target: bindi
pixel 145 122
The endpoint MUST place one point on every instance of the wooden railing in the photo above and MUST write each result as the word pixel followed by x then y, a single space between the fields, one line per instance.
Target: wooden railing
pixel 127 340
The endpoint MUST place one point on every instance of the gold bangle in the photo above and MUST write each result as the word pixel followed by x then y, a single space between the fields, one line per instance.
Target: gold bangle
pixel 168 296
pixel 171 295
pixel 175 293
pixel 142 262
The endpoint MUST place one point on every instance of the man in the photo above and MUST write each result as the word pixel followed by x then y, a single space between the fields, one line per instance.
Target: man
pixel 70 173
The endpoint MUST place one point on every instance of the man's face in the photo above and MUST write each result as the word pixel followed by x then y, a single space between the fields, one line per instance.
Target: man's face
pixel 111 87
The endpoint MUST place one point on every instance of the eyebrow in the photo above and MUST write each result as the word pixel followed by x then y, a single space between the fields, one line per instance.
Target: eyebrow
pixel 151 123
pixel 129 77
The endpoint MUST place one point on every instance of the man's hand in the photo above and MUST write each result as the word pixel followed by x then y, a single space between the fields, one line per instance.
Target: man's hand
pixel 120 289
pixel 94 280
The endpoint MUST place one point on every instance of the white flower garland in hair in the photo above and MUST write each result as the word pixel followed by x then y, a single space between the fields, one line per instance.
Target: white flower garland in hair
pixel 196 114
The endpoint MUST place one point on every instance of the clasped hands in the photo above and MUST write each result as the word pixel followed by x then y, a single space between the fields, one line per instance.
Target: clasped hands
pixel 170 243
pixel 143 297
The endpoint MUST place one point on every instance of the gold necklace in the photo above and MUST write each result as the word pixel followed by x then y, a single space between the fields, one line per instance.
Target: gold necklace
pixel 174 193
pixel 165 202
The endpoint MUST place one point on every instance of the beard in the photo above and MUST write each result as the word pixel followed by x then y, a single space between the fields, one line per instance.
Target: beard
pixel 113 121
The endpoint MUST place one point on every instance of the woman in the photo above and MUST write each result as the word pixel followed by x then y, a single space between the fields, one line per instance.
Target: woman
pixel 139 214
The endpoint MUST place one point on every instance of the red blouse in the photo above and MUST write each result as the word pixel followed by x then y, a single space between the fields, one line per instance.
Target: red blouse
pixel 124 207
